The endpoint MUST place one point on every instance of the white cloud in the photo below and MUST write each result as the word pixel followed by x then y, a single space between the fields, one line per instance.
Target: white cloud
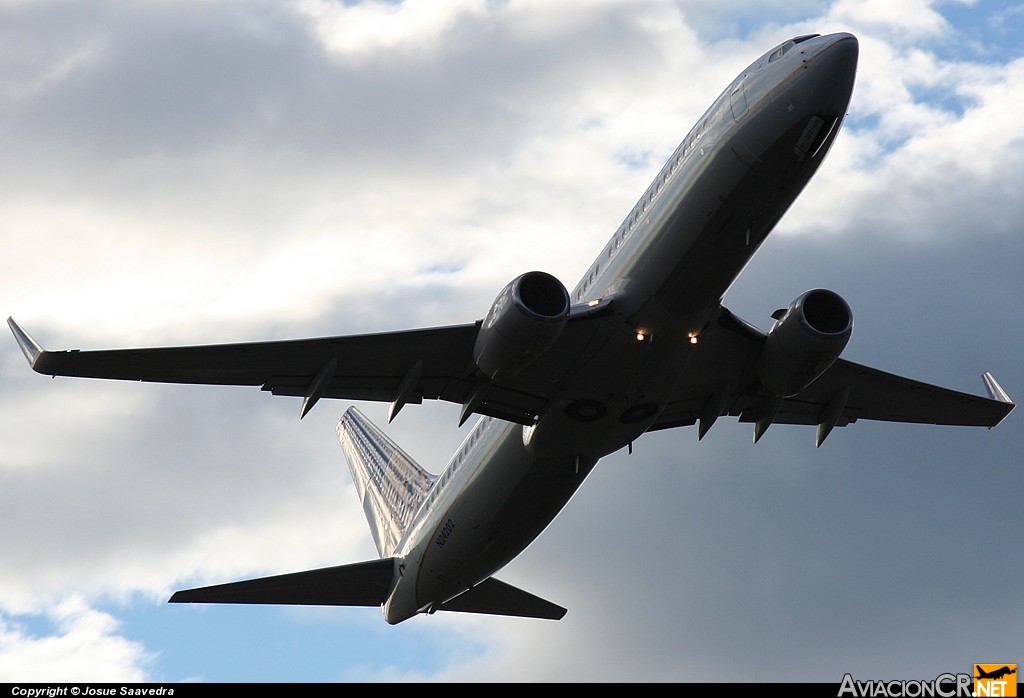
pixel 899 20
pixel 85 647
pixel 361 31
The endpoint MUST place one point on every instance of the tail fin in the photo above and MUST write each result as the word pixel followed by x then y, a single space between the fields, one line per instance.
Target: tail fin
pixel 390 484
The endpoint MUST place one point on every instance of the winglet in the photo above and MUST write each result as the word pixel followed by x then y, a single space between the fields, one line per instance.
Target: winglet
pixel 995 391
pixel 29 347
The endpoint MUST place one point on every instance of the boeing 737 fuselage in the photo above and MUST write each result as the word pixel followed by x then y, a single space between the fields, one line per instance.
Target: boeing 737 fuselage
pixel 667 269
pixel 562 379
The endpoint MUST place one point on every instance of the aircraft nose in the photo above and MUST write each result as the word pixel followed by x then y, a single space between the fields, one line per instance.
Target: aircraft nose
pixel 839 52
pixel 831 63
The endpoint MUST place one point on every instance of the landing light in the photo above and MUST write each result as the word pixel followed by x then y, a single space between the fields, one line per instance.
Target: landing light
pixel 640 336
pixel 593 303
pixel 693 337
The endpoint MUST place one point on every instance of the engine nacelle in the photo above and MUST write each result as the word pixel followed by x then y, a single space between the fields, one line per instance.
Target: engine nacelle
pixel 805 340
pixel 525 320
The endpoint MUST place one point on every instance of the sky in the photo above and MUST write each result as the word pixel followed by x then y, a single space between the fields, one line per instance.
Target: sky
pixel 203 171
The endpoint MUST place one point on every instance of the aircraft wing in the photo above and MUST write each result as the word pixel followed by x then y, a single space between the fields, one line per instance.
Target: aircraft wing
pixel 358 367
pixel 437 363
pixel 397 367
pixel 846 392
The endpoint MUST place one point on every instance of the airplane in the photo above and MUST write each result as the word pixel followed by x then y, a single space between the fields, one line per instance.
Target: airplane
pixel 560 379
pixel 996 674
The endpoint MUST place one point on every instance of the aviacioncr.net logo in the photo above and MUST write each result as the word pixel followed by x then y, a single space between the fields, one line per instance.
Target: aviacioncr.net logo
pixel 943 686
pixel 995 680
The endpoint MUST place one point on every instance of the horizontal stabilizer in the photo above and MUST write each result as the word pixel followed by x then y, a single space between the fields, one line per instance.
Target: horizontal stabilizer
pixel 500 599
pixel 360 584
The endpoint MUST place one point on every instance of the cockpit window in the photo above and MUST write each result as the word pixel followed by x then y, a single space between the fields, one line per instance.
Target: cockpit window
pixel 782 50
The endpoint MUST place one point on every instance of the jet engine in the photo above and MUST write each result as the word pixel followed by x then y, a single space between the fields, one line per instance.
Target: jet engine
pixel 525 320
pixel 806 339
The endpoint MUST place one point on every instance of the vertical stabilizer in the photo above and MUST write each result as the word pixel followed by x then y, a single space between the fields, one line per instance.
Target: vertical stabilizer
pixel 390 484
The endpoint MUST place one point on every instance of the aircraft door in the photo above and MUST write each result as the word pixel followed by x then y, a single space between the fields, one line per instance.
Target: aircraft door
pixel 738 100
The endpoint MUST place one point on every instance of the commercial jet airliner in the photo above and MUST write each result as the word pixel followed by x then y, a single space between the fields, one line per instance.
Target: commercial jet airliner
pixel 561 379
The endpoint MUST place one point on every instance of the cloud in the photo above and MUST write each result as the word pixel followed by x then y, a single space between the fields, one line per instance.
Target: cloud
pixel 899 22
pixel 85 647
